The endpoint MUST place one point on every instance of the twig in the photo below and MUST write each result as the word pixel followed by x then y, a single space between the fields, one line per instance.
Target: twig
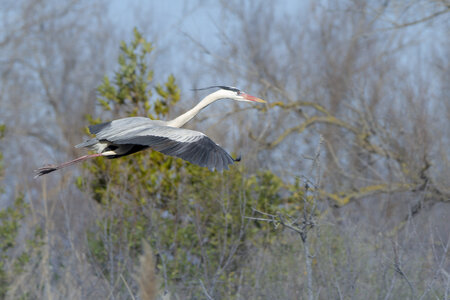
pixel 128 287
pixel 302 223
pixel 204 290
pixel 260 219
pixel 398 268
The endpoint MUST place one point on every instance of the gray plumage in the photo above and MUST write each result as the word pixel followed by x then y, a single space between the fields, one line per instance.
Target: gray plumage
pixel 121 135
pixel 129 135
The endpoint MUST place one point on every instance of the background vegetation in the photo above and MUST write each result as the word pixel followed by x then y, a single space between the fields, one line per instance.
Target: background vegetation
pixel 343 189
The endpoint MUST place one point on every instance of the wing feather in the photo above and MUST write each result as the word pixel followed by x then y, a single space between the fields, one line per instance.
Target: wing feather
pixel 94 129
pixel 190 145
pixel 212 158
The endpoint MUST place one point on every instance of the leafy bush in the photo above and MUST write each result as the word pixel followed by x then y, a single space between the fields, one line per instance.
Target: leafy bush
pixel 12 262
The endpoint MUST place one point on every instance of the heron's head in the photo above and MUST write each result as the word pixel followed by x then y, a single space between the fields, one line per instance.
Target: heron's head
pixel 234 94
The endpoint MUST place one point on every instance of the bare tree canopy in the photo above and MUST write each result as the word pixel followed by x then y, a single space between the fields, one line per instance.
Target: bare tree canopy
pixel 343 189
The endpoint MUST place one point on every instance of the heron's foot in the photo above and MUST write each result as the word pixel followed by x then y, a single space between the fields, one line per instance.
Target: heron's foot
pixel 45 170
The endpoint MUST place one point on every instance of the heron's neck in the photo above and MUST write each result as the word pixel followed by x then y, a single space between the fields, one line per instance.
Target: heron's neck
pixel 187 116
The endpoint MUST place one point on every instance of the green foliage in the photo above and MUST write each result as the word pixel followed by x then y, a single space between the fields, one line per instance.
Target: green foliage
pixel 13 264
pixel 129 93
pixel 2 130
pixel 193 217
pixel 3 278
pixel 2 134
pixel 10 221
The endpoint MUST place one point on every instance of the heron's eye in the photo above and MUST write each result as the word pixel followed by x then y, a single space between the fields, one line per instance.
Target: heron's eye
pixel 238 92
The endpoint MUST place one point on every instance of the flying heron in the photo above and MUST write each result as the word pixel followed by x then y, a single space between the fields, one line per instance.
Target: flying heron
pixel 129 135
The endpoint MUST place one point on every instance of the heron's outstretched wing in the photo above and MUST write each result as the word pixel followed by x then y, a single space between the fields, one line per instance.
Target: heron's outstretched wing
pixel 190 145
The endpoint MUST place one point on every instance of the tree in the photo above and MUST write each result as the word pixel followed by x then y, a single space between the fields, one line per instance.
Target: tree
pixel 341 78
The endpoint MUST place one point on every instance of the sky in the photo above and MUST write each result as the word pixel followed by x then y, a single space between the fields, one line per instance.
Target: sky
pixel 170 22
pixel 177 23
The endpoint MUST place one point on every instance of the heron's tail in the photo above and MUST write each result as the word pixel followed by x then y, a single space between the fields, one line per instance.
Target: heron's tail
pixel 50 168
pixel 87 143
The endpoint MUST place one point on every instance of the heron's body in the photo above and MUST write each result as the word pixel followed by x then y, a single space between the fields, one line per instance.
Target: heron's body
pixel 129 135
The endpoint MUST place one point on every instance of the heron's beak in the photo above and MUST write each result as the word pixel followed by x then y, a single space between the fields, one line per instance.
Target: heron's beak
pixel 252 98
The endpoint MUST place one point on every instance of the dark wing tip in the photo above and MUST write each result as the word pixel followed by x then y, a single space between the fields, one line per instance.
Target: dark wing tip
pixel 237 159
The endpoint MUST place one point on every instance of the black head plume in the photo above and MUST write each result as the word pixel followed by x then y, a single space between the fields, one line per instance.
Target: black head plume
pixel 224 87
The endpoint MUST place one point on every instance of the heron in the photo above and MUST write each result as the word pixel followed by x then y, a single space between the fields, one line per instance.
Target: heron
pixel 126 136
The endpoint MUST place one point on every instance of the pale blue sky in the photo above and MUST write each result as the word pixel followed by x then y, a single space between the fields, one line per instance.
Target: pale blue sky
pixel 174 25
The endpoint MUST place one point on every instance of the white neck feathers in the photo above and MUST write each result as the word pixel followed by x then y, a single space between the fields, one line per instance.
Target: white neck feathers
pixel 187 116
